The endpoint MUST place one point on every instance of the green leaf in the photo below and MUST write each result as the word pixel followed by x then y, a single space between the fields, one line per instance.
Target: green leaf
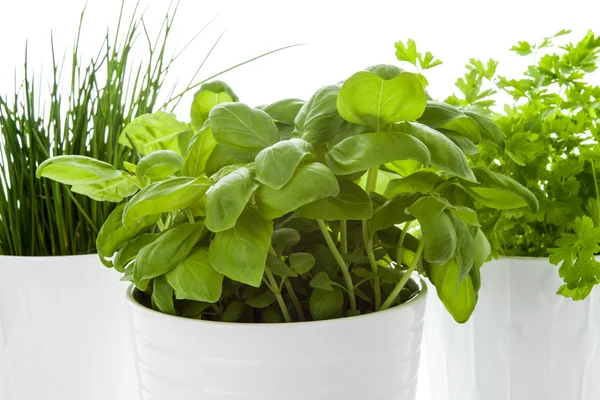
pixel 310 182
pixel 499 191
pixel 393 212
pixel 361 152
pixel 322 281
pixel 301 263
pixel 439 234
pixel 278 267
pixel 242 129
pixel 77 170
pixel 159 165
pixel 276 164
pixel 240 253
pixel 114 190
pixel 407 52
pixel 459 299
pixel 523 48
pixel 170 195
pixel 325 304
pixel 198 153
pixel 128 252
pixel 490 132
pixel 284 111
pixel 234 311
pixel 579 293
pixel 351 203
pixel 284 238
pixel 219 159
pixel 195 279
pixel 418 182
pixel 158 131
pixel 481 249
pixel 444 116
pixel 366 99
pixel 263 300
pixel 464 255
pixel 162 296
pixel 385 71
pixel 227 198
pixel 113 235
pixel 207 97
pixel 168 251
pixel 445 155
pixel 318 119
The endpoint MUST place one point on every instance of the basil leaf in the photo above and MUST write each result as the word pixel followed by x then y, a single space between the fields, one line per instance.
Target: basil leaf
pixel 220 158
pixel 459 299
pixel 159 197
pixel 361 152
pixel 128 252
pixel 439 234
pixel 251 239
pixel 284 111
pixel 464 255
pixel 442 115
pixel 195 279
pixel 326 304
pixel 276 164
pixel 227 198
pixel 162 296
pixel 367 99
pixel 393 212
pixel 417 182
pixel 114 190
pixel 301 263
pixel 318 119
pixel 445 155
pixel 158 131
pixel 352 202
pixel 77 170
pixel 166 252
pixel 309 183
pixel 198 153
pixel 159 165
pixel 243 129
pixel 207 97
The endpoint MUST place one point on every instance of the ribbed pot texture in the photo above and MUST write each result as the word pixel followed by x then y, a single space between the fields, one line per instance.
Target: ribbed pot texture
pixel 523 342
pixel 63 331
pixel 370 357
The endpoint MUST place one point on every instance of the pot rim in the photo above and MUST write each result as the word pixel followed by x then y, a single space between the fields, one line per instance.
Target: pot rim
pixel 420 298
pixel 7 257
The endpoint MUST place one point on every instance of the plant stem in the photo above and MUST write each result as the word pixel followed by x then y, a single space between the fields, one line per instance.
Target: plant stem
pixel 401 243
pixel 400 285
pixel 368 239
pixel 297 305
pixel 340 260
pixel 372 179
pixel 344 236
pixel 275 289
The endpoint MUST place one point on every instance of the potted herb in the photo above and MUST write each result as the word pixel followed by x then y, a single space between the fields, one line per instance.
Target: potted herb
pixel 536 330
pixel 301 212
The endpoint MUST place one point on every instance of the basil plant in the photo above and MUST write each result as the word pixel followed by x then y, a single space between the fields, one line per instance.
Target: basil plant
pixel 299 210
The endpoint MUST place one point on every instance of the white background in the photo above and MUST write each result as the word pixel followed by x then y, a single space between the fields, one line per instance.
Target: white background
pixel 342 37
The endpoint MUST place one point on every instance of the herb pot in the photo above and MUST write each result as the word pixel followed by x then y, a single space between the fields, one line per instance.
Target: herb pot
pixel 63 331
pixel 523 342
pixel 373 356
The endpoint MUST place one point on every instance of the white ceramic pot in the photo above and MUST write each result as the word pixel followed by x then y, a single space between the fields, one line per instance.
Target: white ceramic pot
pixel 63 331
pixel 523 342
pixel 370 357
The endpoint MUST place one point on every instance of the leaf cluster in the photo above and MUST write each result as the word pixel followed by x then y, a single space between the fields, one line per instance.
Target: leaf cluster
pixel 300 210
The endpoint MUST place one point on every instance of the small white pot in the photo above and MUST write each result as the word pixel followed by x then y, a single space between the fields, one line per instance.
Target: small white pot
pixel 374 357
pixel 523 342
pixel 63 331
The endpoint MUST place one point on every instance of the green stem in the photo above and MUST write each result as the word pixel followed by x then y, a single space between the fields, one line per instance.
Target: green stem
pixel 275 289
pixel 340 260
pixel 344 236
pixel 368 239
pixel 400 285
pixel 297 305
pixel 161 225
pixel 401 243
pixel 595 180
pixel 372 179
pixel 190 215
